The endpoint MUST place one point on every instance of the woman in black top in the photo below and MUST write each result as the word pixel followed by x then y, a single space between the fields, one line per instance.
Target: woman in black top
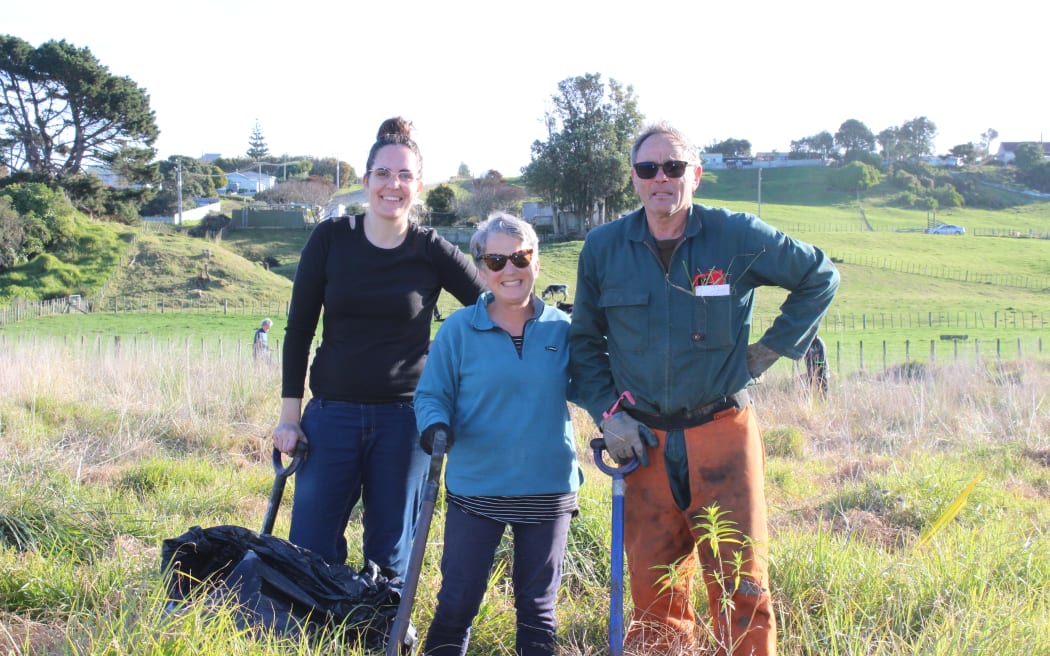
pixel 377 278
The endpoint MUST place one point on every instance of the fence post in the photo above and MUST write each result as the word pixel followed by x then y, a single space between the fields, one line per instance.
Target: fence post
pixel 932 352
pixel 907 350
pixel 862 355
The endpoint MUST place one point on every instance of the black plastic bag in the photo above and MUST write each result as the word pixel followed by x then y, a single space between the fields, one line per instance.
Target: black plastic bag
pixel 279 587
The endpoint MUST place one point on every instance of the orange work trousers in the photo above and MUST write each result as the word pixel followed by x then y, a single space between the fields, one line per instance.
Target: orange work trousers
pixel 665 543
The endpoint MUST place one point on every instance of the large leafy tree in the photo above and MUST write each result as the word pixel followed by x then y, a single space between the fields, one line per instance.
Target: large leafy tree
pixel 490 193
pixel 190 176
pixel 817 146
pixel 330 167
pixel 916 137
pixel 61 110
pixel 853 137
pixel 985 147
pixel 441 204
pixel 889 142
pixel 584 164
pixel 730 148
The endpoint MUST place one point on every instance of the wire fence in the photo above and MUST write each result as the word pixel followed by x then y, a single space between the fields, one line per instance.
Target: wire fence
pixel 945 272
pixel 218 349
pixel 843 356
pixel 835 322
pixel 21 310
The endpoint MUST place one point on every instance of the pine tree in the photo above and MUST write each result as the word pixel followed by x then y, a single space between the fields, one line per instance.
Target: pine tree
pixel 257 143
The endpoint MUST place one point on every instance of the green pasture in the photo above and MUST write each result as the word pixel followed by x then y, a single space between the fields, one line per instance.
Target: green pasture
pixel 901 290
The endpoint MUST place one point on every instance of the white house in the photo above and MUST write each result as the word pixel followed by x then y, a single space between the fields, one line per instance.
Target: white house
pixel 542 218
pixel 249 183
pixel 1007 149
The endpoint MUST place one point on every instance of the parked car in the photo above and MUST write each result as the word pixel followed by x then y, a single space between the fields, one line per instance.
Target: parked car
pixel 947 229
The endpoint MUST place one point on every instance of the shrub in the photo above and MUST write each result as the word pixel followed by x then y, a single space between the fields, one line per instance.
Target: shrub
pixel 784 442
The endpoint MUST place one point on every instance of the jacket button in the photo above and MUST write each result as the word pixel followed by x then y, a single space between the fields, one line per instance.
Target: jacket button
pixel 699 337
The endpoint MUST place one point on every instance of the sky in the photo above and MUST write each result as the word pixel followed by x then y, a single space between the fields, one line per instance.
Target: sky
pixel 476 77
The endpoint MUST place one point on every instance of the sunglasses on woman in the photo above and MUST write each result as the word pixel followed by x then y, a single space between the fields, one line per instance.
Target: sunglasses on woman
pixel 495 262
pixel 674 168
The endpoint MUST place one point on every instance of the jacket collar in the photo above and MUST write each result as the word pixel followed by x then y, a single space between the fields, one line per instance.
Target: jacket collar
pixel 638 230
pixel 480 319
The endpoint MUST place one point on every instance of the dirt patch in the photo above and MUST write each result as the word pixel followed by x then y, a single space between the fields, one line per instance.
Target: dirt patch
pixel 867 526
pixel 19 635
pixel 856 470
pixel 1041 456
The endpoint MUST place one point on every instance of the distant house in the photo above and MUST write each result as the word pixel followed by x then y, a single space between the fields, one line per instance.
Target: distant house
pixel 950 161
pixel 109 178
pixel 542 219
pixel 712 160
pixel 249 183
pixel 773 156
pixel 1008 149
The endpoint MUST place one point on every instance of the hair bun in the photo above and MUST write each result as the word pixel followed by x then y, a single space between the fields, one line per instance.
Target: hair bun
pixel 395 126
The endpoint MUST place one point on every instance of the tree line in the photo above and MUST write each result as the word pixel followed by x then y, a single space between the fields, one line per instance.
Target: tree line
pixel 62 114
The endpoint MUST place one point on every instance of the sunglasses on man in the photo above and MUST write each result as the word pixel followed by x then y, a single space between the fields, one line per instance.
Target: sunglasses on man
pixel 674 168
pixel 495 262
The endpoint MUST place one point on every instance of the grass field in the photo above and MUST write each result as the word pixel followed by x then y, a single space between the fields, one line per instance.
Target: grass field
pixel 909 512
pixel 876 546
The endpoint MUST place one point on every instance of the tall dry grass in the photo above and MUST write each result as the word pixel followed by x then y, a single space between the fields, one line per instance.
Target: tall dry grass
pixel 109 450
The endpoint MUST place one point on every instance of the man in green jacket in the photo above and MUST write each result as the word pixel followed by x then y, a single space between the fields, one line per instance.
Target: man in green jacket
pixel 663 310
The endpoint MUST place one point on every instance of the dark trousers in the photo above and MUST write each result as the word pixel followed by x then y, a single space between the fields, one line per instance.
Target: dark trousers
pixel 466 563
pixel 359 452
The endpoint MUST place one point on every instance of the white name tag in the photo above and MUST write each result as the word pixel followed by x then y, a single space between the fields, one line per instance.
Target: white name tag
pixel 712 290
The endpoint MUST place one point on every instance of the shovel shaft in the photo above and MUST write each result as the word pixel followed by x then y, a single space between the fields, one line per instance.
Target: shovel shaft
pixel 419 546
pixel 281 474
pixel 616 548
pixel 616 563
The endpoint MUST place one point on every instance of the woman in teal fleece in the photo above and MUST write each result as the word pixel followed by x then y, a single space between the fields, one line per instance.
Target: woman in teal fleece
pixel 496 381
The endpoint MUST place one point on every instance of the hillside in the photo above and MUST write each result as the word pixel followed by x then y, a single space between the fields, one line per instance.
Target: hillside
pixel 171 264
pixel 887 265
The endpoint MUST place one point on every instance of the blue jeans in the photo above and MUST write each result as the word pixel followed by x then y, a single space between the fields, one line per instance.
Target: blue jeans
pixel 466 562
pixel 359 452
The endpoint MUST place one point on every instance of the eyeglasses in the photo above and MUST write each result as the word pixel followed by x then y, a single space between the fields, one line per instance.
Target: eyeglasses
pixel 386 175
pixel 674 168
pixel 495 262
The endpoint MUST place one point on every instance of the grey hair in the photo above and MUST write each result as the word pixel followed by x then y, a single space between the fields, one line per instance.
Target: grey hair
pixel 507 224
pixel 682 143
pixel 266 322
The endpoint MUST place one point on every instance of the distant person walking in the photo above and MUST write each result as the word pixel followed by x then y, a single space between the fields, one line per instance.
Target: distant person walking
pixel 261 342
pixel 817 367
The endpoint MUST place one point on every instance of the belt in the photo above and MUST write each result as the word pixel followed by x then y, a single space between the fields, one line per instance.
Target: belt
pixel 694 416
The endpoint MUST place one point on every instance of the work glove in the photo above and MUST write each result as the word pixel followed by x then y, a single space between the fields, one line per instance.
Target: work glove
pixel 626 437
pixel 426 438
pixel 760 358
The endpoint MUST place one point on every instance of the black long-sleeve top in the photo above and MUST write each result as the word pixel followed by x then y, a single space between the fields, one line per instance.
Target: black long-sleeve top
pixel 378 305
